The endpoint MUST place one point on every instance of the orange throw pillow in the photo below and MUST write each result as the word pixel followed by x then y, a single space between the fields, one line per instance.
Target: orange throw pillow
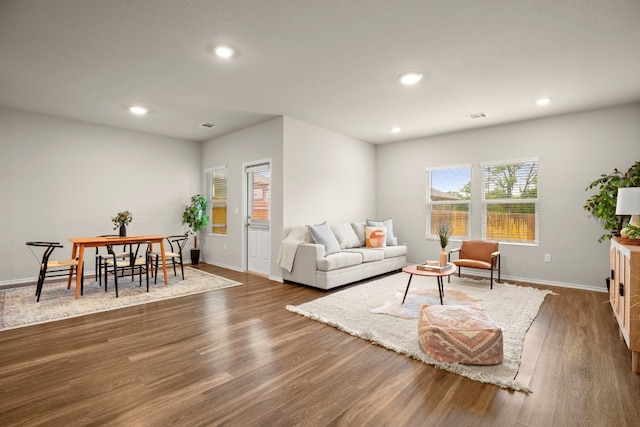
pixel 376 237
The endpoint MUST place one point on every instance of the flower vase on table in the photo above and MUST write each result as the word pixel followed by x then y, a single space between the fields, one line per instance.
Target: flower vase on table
pixel 121 220
pixel 443 258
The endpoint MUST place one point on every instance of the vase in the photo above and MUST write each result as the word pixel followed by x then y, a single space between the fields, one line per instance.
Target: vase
pixel 123 231
pixel 443 258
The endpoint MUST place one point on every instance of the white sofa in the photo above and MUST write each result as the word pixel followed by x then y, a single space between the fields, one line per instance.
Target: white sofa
pixel 316 265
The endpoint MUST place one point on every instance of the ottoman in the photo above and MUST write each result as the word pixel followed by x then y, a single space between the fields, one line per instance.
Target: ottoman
pixel 459 334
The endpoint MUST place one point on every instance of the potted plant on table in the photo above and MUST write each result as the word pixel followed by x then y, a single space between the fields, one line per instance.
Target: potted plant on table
pixel 444 231
pixel 121 220
pixel 195 216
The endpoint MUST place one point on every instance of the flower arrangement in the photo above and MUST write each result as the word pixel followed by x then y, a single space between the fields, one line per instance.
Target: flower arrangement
pixel 123 218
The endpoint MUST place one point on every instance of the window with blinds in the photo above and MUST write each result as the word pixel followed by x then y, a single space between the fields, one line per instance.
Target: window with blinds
pixel 449 200
pixel 510 201
pixel 217 182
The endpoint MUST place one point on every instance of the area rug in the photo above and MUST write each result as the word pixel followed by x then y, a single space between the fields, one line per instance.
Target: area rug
pixel 18 306
pixel 513 308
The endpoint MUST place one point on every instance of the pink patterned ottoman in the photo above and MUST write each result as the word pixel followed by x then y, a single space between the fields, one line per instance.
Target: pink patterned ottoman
pixel 459 334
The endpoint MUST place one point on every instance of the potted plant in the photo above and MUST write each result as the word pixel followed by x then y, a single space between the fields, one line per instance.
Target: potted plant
pixel 195 216
pixel 121 220
pixel 443 235
pixel 602 204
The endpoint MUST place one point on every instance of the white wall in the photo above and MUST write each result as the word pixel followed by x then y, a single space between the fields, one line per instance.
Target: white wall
pixel 259 142
pixel 64 178
pixel 327 176
pixel 574 149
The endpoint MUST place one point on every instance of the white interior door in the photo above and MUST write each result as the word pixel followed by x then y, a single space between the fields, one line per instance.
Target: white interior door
pixel 258 218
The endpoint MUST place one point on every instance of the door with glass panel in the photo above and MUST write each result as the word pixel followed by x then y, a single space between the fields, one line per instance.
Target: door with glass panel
pixel 258 218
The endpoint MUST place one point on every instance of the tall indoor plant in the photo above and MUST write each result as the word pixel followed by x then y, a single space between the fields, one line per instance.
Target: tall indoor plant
pixel 195 216
pixel 602 204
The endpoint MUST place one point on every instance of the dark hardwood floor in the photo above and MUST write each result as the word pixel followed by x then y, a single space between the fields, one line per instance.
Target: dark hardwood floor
pixel 236 357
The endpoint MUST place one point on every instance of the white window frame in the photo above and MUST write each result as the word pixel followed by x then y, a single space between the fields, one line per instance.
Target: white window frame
pixel 486 202
pixel 210 173
pixel 430 203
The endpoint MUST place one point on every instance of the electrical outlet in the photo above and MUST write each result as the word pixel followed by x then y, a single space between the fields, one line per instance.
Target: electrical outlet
pixel 224 246
pixel 547 257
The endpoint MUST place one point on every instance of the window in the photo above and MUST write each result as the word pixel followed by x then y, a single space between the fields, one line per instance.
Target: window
pixel 510 201
pixel 217 182
pixel 449 199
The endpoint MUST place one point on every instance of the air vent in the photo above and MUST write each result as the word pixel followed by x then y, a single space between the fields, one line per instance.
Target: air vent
pixel 208 125
pixel 475 116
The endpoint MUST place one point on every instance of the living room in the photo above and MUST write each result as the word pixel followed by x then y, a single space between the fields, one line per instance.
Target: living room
pixel 65 175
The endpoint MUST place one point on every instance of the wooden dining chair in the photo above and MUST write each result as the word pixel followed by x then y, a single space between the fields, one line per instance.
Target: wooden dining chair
pixel 52 268
pixel 174 254
pixel 477 254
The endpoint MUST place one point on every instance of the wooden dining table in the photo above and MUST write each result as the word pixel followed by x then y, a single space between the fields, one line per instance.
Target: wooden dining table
pixel 82 243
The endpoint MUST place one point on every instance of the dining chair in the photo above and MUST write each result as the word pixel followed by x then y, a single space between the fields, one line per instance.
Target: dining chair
pixel 53 268
pixel 131 264
pixel 101 258
pixel 176 245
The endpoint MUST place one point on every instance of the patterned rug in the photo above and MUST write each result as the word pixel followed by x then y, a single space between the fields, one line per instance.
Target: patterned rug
pixel 370 311
pixel 18 306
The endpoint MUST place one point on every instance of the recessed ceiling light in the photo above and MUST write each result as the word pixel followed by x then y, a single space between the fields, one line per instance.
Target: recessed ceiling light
pixel 137 110
pixel 410 78
pixel 223 51
pixel 543 101
pixel 396 129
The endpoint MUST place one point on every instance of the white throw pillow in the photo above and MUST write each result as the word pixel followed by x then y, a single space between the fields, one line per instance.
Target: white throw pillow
pixel 347 238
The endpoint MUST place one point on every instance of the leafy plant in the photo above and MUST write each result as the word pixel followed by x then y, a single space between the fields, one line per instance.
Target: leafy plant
pixel 632 231
pixel 122 218
pixel 195 216
pixel 444 231
pixel 602 204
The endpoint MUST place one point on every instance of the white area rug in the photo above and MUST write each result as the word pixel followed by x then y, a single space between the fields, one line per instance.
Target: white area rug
pixel 18 306
pixel 511 307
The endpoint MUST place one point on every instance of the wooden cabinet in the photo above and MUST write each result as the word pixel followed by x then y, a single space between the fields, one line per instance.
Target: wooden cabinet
pixel 624 295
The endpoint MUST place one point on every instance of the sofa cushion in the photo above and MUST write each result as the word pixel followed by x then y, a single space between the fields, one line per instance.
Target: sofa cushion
pixel 346 236
pixel 393 251
pixel 368 254
pixel 391 240
pixel 359 228
pixel 376 237
pixel 339 260
pixel 322 235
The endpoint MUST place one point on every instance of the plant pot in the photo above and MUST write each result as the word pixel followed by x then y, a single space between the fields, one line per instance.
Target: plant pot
pixel 123 231
pixel 195 256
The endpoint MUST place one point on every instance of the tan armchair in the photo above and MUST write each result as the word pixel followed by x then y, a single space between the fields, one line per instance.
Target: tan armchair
pixel 478 254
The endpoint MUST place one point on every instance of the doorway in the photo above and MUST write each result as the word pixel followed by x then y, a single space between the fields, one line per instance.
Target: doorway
pixel 258 199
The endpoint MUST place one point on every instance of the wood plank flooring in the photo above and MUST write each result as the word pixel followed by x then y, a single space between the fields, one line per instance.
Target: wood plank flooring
pixel 236 357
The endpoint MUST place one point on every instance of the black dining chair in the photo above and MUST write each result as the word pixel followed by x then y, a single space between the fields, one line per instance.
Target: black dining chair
pixel 174 254
pixel 101 258
pixel 53 268
pixel 121 267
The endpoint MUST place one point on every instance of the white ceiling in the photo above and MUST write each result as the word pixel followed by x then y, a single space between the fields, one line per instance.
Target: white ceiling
pixel 332 63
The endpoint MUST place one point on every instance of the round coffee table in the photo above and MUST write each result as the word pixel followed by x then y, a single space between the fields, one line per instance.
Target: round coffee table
pixel 413 269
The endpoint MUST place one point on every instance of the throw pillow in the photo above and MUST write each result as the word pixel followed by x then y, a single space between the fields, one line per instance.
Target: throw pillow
pixel 376 237
pixel 391 240
pixel 347 238
pixel 359 228
pixel 322 235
